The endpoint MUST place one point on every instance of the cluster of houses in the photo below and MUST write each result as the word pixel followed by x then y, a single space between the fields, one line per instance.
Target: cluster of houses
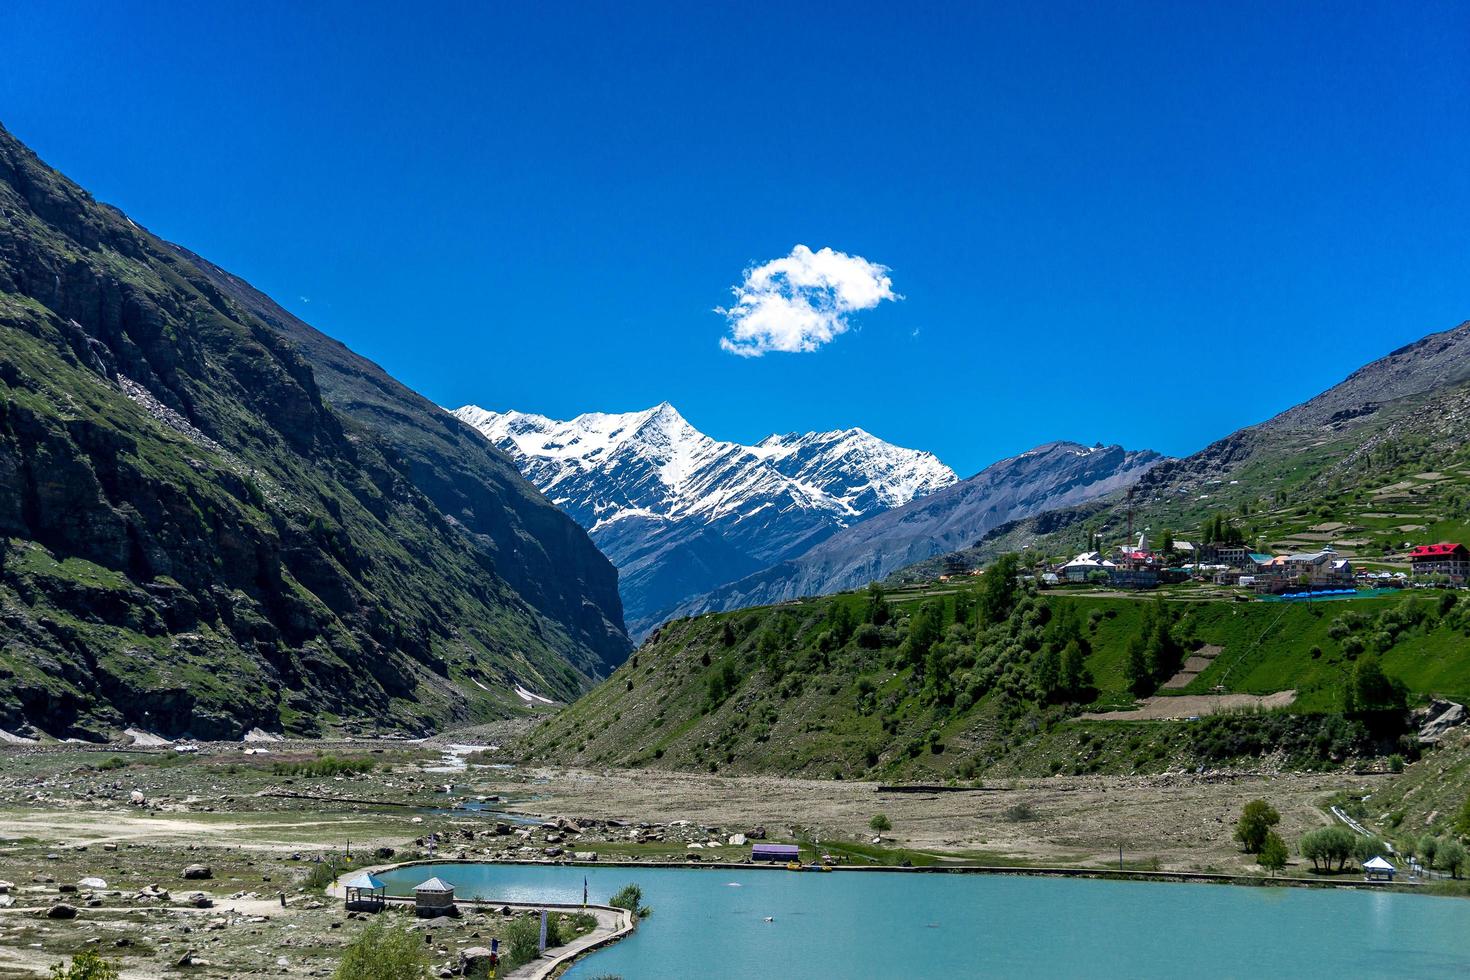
pixel 1139 566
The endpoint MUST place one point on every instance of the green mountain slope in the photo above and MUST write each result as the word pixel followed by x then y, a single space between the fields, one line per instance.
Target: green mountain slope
pixel 194 540
pixel 1377 464
pixel 779 689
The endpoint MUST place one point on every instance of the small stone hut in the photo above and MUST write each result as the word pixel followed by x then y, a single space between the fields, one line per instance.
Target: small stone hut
pixel 434 898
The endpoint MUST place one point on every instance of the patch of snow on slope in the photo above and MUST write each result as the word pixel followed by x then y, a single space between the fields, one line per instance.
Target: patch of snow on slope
pixel 530 697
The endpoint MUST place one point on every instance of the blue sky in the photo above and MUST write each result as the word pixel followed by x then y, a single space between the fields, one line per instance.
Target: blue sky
pixel 1148 224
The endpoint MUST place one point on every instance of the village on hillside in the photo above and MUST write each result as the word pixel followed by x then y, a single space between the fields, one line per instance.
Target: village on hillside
pixel 1140 564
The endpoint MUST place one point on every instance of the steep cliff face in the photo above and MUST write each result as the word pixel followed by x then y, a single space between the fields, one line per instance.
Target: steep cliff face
pixel 546 557
pixel 193 539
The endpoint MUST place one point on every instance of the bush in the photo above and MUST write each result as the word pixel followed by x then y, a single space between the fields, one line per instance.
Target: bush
pixel 322 874
pixel 384 951
pixel 523 941
pixel 631 898
pixel 86 965
pixel 880 823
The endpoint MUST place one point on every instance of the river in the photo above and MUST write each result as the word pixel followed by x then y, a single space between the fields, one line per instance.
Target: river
pixel 712 923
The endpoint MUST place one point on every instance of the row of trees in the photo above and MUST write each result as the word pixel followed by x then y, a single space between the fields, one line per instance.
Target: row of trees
pixel 1330 848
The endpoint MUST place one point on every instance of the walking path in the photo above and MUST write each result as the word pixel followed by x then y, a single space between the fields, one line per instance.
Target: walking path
pixel 612 925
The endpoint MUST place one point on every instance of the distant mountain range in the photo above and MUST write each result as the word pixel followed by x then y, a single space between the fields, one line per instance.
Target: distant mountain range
pixel 1058 474
pixel 1403 414
pixel 680 513
pixel 694 524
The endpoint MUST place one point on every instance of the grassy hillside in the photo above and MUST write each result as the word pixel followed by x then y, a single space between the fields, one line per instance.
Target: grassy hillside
pixel 817 688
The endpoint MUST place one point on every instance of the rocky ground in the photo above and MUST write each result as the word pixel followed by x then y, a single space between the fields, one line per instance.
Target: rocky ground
pixel 98 845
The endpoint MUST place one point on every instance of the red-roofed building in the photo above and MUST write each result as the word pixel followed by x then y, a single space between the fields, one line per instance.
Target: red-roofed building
pixel 1445 558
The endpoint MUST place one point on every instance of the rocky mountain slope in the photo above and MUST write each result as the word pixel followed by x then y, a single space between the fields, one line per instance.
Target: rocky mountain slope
pixel 1049 477
pixel 546 558
pixel 679 512
pixel 193 538
pixel 1335 459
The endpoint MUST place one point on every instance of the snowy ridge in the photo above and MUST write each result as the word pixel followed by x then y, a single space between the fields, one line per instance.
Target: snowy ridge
pixel 680 513
pixel 602 468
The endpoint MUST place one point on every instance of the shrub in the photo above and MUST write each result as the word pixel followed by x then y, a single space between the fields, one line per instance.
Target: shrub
pixel 1462 819
pixel 880 823
pixel 523 941
pixel 384 951
pixel 322 874
pixel 630 897
pixel 86 965
pixel 1022 812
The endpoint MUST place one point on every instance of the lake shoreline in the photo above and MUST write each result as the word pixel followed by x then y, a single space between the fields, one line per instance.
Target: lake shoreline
pixel 1101 874
pixel 815 925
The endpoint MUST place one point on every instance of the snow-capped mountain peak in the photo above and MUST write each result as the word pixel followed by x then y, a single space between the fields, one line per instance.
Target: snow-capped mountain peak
pixel 643 483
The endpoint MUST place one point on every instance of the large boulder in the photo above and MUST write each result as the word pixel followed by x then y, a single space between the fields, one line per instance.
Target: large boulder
pixel 197 872
pixel 475 961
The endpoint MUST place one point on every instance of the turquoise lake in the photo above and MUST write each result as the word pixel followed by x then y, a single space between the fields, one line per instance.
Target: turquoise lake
pixel 710 923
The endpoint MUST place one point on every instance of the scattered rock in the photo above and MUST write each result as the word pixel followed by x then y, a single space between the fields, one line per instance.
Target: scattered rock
pixel 61 910
pixel 197 872
pixel 472 959
pixel 94 884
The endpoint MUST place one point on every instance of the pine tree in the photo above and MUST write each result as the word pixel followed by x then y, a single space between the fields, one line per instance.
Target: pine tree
pixel 1076 679
pixel 1049 672
pixel 999 589
pixel 1136 672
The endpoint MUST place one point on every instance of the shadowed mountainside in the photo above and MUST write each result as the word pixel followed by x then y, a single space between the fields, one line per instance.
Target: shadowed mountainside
pixel 193 538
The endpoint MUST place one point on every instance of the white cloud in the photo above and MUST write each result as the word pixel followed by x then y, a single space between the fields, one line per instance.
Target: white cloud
pixel 802 301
